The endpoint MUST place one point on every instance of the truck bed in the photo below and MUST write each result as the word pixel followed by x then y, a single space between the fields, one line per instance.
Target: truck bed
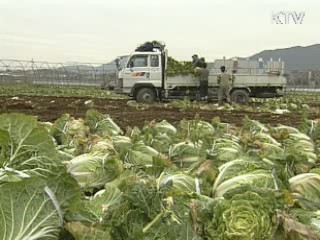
pixel 241 81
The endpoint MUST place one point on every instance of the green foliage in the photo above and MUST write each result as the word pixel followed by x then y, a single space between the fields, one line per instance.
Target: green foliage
pixel 179 68
pixel 51 90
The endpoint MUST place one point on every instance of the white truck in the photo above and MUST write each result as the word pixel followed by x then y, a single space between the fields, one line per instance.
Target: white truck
pixel 144 78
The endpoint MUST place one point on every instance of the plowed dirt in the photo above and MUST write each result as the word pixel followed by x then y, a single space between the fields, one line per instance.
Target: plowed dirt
pixel 48 108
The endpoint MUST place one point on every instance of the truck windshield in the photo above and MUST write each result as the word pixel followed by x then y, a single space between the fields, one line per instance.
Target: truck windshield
pixel 138 61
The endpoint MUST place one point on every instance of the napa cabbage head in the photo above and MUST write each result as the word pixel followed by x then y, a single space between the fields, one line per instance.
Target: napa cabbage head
pixel 101 124
pixel 185 153
pixel 177 181
pixel 305 189
pixel 244 215
pixel 257 179
pixel 95 169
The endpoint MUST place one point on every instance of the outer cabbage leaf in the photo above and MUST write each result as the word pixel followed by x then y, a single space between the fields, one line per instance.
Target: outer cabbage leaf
pixel 28 211
pixel 76 128
pixel 226 148
pixel 235 168
pixel 59 128
pixel 140 154
pixel 206 173
pixel 196 131
pixel 26 148
pixel 121 141
pixel 184 153
pixel 159 135
pixel 204 128
pixel 301 148
pixel 83 232
pixel 306 189
pixel 310 218
pixel 178 181
pixel 70 134
pixel 315 170
pixel 103 146
pixel 101 124
pixel 95 169
pixel 312 129
pixel 263 145
pixel 146 211
pixel 254 126
pixel 94 210
pixel 165 127
pixel 282 131
pixel 258 178
pixel 294 228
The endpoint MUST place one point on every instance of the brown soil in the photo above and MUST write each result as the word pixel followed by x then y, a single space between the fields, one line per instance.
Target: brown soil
pixel 48 108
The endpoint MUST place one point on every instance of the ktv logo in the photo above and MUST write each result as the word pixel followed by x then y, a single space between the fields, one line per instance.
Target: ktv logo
pixel 288 17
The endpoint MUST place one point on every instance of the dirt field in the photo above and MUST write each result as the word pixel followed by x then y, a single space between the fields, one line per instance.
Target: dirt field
pixel 50 108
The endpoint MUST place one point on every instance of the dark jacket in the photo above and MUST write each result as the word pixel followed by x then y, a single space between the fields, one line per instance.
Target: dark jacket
pixel 203 74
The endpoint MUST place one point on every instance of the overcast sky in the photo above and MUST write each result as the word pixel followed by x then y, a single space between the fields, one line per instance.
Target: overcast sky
pixel 100 30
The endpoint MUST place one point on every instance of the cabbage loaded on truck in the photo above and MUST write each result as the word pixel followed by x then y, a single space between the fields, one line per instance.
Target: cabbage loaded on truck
pixel 146 78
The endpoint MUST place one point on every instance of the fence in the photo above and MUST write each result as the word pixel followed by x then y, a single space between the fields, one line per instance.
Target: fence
pixel 304 80
pixel 77 74
pixel 104 75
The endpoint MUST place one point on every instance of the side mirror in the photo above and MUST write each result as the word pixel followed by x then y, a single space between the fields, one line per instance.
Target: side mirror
pixel 131 65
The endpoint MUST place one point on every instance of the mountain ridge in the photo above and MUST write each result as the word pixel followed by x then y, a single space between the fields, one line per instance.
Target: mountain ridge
pixel 300 58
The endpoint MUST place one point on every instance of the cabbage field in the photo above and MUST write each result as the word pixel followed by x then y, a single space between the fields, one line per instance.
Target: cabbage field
pixel 89 178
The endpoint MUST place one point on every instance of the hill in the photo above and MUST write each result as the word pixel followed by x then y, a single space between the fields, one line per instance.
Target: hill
pixel 296 58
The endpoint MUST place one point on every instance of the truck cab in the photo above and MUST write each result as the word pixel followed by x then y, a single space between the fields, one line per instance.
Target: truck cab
pixel 143 75
pixel 142 68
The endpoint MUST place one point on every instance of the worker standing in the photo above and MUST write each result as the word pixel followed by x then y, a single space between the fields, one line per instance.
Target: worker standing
pixel 203 76
pixel 225 81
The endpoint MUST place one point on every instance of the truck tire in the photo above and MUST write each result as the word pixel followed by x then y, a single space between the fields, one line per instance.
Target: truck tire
pixel 146 95
pixel 240 95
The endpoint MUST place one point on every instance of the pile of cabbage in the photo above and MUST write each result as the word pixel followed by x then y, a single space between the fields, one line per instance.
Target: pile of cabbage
pixel 176 67
pixel 89 179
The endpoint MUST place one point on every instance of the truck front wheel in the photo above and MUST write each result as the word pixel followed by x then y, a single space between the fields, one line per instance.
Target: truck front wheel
pixel 240 95
pixel 146 95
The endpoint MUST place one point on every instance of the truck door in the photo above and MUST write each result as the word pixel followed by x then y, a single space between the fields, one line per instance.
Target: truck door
pixel 155 69
pixel 136 70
